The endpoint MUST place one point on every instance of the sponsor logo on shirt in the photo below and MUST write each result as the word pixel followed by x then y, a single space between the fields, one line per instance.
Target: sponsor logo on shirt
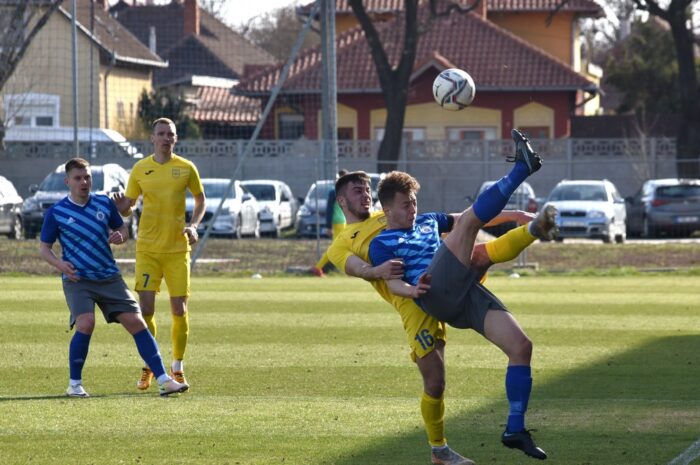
pixel 149 172
pixel 71 220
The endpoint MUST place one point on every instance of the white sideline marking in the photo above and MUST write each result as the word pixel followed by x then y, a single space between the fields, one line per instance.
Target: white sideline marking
pixel 688 455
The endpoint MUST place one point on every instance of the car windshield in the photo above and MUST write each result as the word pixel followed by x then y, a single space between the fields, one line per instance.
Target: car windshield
pixel 323 190
pixel 679 191
pixel 262 191
pixel 579 192
pixel 55 182
pixel 215 190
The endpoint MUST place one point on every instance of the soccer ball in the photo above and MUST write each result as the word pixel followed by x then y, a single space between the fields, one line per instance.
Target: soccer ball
pixel 454 89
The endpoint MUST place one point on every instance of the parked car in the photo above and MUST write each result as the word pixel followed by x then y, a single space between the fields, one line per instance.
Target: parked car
pixel 10 210
pixel 91 141
pixel 313 210
pixel 589 209
pixel 522 199
pixel 278 206
pixel 106 179
pixel 239 214
pixel 664 206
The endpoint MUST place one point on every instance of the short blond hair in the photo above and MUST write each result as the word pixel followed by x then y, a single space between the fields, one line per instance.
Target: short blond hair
pixel 161 121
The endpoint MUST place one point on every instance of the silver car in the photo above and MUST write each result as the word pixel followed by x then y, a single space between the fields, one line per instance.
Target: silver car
pixel 589 209
pixel 106 179
pixel 665 206
pixel 239 214
pixel 278 206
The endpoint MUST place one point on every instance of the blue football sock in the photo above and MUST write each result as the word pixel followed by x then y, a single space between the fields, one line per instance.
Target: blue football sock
pixel 77 353
pixel 148 349
pixel 492 201
pixel 518 387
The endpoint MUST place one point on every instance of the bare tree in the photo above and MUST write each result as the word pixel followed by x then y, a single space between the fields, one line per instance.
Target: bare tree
pixel 678 16
pixel 394 77
pixel 18 29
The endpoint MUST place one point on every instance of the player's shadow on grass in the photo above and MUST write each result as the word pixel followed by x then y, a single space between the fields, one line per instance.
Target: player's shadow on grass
pixel 667 368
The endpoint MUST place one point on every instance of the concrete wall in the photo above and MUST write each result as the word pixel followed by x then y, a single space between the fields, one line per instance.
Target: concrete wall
pixel 448 171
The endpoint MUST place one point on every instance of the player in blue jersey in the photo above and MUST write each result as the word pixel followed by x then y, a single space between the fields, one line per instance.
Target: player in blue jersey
pixel 85 225
pixel 440 277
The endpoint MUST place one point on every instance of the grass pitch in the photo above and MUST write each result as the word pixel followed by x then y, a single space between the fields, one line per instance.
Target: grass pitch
pixel 308 371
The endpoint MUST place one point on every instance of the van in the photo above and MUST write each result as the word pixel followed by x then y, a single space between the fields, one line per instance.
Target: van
pixel 91 141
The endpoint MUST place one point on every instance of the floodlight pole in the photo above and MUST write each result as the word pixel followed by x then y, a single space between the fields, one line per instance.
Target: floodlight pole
pixel 329 113
pixel 74 46
pixel 268 107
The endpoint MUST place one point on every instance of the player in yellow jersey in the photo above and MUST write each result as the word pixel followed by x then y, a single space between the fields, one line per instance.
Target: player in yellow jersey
pixel 164 239
pixel 426 336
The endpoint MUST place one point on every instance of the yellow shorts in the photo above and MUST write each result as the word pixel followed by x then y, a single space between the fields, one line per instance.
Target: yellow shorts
pixel 422 330
pixel 151 268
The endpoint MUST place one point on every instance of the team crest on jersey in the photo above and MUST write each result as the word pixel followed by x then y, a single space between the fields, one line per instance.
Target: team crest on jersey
pixel 425 229
pixel 176 172
pixel 100 215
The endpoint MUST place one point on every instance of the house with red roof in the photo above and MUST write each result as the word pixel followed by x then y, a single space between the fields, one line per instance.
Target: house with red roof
pixel 206 59
pixel 519 83
pixel 114 68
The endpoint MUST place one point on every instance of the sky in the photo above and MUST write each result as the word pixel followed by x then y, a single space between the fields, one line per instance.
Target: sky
pixel 237 12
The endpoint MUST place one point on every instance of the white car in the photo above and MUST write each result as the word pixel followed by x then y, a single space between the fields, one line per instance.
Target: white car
pixel 278 206
pixel 239 214
pixel 589 209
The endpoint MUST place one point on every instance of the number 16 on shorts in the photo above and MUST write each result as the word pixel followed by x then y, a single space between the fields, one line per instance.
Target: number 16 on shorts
pixel 425 339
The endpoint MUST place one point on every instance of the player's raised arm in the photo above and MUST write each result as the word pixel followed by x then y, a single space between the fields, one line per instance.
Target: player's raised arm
pixel 389 270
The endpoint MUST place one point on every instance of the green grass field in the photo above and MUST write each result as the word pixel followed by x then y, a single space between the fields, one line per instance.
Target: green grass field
pixel 308 371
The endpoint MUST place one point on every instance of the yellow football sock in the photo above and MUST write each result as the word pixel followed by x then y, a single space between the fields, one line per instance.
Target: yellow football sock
pixel 509 245
pixel 151 323
pixel 180 331
pixel 433 411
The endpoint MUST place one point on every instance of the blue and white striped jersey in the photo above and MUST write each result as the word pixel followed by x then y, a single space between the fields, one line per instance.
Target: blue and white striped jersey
pixel 416 246
pixel 83 232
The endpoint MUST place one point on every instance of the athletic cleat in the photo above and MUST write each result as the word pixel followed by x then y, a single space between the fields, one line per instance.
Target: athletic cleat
pixel 179 376
pixel 446 456
pixel 524 152
pixel 76 391
pixel 523 441
pixel 172 387
pixel 144 381
pixel 544 226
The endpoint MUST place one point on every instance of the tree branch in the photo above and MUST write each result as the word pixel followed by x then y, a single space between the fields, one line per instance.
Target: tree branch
pixel 381 61
pixel 14 59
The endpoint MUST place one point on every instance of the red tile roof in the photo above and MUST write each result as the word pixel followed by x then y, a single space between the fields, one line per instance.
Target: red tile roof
pixel 496 59
pixel 382 6
pixel 217 104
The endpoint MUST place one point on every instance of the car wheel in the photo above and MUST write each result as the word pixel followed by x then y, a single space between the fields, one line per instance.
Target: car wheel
pixel 620 238
pixel 610 237
pixel 16 233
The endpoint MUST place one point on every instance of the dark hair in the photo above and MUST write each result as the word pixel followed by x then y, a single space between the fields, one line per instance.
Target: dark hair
pixel 161 121
pixel 342 172
pixel 351 177
pixel 76 163
pixel 395 182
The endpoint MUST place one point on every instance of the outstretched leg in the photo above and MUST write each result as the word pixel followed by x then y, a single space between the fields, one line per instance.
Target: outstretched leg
pixel 503 330
pixel 492 201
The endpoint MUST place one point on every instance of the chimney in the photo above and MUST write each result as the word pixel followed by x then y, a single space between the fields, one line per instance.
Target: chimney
pixel 152 38
pixel 190 23
pixel 481 9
